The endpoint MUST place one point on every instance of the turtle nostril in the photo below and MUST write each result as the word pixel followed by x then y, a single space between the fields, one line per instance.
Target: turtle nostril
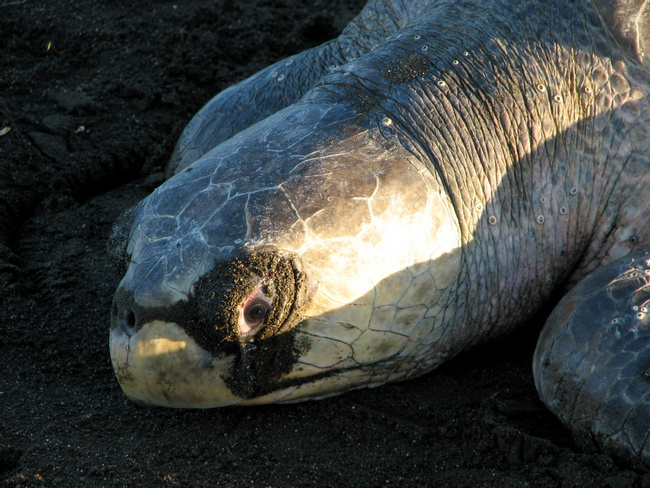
pixel 130 319
pixel 125 314
pixel 128 322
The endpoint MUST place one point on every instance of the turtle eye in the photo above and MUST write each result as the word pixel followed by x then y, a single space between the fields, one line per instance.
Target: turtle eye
pixel 253 312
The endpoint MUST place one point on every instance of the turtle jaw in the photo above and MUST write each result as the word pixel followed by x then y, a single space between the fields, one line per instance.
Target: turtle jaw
pixel 163 366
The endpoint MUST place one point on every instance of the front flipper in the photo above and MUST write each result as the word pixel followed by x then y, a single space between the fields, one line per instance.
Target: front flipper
pixel 286 81
pixel 592 363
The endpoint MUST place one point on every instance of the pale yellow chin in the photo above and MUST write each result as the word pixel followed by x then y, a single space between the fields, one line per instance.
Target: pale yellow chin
pixel 162 365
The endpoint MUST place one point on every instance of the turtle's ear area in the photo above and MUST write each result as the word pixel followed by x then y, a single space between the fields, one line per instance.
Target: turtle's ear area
pixel 629 23
pixel 119 240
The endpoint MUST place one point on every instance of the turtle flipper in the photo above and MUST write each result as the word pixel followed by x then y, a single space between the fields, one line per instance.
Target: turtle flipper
pixel 629 23
pixel 592 363
pixel 286 81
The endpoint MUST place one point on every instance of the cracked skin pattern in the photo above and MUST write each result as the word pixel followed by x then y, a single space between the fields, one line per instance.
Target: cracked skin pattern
pixel 433 190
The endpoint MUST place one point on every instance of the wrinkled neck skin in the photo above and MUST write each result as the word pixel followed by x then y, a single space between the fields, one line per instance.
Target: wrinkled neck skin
pixel 417 186
pixel 538 134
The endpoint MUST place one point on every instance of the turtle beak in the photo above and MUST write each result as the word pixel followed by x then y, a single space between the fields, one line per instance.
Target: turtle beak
pixel 159 364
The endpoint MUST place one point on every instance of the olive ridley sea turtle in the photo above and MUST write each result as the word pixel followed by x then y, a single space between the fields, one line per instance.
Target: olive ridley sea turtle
pixel 366 210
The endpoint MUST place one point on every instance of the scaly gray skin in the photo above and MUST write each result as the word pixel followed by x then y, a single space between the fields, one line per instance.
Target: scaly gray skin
pixel 428 195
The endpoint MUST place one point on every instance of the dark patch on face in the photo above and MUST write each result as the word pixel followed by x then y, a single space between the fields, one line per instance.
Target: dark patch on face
pixel 404 69
pixel 220 294
pixel 259 364
pixel 259 368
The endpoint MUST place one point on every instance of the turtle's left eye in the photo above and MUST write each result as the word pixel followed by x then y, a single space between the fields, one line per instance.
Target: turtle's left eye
pixel 253 312
pixel 256 312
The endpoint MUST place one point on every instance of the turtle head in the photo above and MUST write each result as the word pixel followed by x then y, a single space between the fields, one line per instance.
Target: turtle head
pixel 304 257
pixel 229 338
